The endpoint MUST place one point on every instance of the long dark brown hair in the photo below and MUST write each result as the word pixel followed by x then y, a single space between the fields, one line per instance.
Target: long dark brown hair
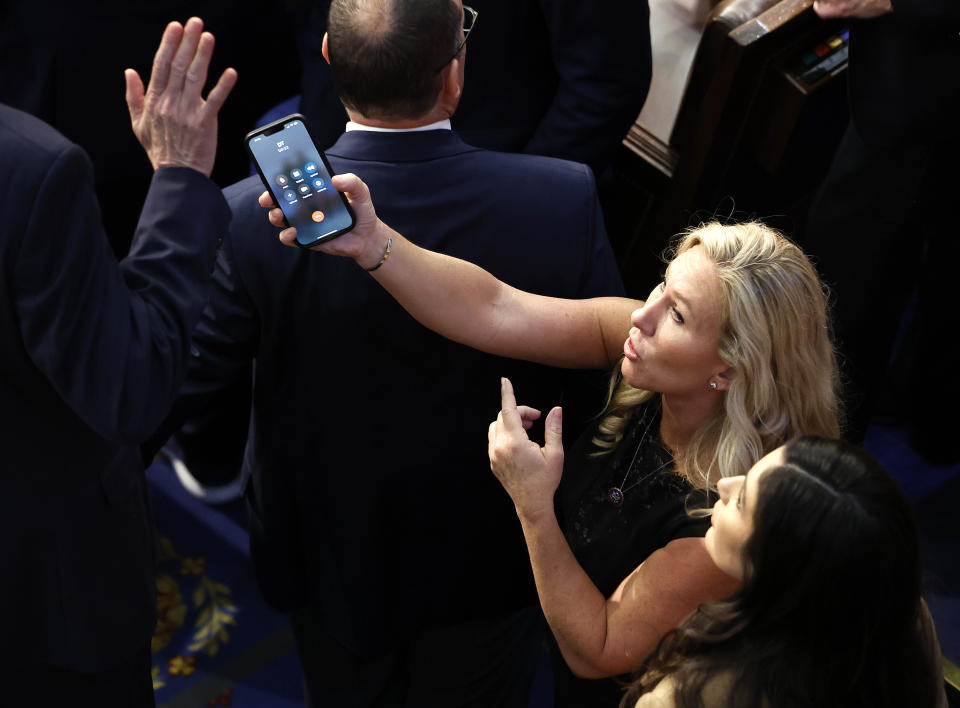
pixel 830 611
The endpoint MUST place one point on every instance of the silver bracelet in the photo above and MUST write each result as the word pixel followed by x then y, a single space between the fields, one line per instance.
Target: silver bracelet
pixel 384 257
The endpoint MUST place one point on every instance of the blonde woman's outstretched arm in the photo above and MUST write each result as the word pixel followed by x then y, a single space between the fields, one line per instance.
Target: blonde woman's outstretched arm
pixel 466 303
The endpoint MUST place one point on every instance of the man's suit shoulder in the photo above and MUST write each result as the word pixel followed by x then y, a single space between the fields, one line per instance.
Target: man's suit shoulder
pixel 249 227
pixel 544 169
pixel 24 138
pixel 534 173
pixel 252 240
pixel 559 194
pixel 34 155
pixel 242 196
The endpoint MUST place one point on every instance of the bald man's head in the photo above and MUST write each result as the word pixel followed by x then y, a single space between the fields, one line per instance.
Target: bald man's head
pixel 385 55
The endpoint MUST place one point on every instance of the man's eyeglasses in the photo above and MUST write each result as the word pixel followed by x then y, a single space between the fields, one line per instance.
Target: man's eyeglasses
pixel 469 20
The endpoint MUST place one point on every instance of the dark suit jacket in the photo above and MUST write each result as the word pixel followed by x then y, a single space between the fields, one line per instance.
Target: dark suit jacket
pixel 370 488
pixel 92 355
pixel 564 78
pixel 903 83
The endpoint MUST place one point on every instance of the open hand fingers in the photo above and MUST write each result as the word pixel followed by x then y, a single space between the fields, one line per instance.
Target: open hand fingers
pixel 196 73
pixel 160 73
pixel 196 77
pixel 218 94
pixel 184 55
pixel 173 123
pixel 134 94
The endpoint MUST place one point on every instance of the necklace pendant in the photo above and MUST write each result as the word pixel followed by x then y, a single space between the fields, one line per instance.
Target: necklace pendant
pixel 615 496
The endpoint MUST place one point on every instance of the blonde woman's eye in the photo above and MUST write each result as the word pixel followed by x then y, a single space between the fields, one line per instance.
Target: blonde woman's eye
pixel 678 318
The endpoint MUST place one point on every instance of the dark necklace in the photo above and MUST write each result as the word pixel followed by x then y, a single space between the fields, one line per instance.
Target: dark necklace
pixel 615 495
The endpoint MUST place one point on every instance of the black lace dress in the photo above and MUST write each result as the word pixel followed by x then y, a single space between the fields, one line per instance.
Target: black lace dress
pixel 615 510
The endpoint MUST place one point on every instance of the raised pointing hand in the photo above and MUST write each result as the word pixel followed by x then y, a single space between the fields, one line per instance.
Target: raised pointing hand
pixel 173 122
pixel 528 472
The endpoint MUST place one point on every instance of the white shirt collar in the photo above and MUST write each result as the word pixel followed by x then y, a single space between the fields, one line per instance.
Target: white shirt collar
pixel 439 125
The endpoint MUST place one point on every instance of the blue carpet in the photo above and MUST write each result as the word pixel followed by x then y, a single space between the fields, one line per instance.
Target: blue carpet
pixel 216 642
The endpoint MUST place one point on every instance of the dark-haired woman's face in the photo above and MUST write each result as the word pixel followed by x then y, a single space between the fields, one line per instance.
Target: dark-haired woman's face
pixel 732 520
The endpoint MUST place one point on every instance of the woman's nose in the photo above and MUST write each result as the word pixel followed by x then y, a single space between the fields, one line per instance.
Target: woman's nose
pixel 643 319
pixel 725 487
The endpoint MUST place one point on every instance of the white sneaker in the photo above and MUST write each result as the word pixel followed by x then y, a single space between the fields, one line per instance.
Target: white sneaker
pixel 211 495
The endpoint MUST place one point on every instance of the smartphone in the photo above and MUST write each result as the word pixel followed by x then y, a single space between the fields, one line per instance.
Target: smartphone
pixel 296 172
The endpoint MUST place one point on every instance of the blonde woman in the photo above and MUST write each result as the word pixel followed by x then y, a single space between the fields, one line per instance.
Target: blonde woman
pixel 727 359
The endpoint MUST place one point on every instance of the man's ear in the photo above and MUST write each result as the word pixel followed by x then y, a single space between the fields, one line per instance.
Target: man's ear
pixel 452 86
pixel 325 48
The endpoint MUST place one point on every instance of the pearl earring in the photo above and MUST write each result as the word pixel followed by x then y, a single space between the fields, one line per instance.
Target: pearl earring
pixel 713 385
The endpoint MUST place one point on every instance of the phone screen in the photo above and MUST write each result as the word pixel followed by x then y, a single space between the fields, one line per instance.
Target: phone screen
pixel 299 180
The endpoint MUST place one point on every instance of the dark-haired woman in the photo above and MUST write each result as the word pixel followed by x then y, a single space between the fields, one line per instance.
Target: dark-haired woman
pixel 830 611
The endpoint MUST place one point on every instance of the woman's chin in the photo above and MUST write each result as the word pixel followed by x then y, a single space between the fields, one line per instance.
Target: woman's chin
pixel 708 543
pixel 629 371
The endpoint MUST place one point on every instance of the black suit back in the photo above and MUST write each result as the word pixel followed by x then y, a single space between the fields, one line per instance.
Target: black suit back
pixel 370 487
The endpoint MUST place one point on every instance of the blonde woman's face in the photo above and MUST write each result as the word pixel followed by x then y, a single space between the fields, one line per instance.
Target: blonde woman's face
pixel 673 344
pixel 732 521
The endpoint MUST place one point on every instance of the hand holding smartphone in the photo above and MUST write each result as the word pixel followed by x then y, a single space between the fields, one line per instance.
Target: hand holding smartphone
pixel 297 174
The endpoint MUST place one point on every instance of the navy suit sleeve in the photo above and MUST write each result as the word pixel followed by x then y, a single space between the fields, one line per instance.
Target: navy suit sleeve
pixel 112 340
pixel 601 52
pixel 224 343
pixel 225 340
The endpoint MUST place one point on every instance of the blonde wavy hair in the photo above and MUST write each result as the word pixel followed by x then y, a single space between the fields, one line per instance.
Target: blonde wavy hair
pixel 775 333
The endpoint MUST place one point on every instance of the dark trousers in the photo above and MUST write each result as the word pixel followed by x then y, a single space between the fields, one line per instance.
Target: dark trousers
pixel 128 685
pixel 477 664
pixel 882 234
